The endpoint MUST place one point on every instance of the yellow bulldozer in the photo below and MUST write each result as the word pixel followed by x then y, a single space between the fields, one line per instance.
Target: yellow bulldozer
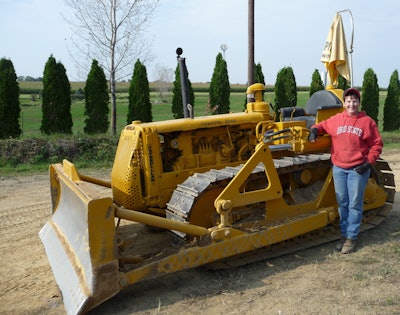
pixel 221 190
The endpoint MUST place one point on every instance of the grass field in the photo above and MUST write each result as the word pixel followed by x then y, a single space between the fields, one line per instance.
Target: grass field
pixel 31 110
pixel 121 86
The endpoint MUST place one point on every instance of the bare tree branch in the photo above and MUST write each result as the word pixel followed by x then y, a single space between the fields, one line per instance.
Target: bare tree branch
pixel 164 78
pixel 112 32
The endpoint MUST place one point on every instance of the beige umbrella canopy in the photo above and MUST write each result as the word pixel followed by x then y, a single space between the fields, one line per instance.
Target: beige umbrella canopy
pixel 335 54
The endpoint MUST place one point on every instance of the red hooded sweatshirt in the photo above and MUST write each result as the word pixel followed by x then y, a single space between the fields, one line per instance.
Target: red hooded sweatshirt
pixel 355 139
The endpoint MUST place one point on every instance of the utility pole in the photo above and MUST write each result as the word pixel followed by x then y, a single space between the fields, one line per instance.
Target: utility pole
pixel 250 64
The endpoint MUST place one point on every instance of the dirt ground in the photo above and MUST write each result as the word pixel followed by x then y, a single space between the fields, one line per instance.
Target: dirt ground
pixel 313 281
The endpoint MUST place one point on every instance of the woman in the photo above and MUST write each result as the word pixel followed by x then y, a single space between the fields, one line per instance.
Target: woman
pixel 356 144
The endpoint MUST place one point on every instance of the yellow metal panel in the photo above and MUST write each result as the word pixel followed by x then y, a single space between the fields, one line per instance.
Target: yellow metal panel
pixel 196 123
pixel 232 192
pixel 80 244
pixel 125 174
pixel 242 242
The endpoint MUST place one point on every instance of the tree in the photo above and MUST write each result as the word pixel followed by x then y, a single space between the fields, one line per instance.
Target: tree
pixel 113 32
pixel 56 99
pixel 342 83
pixel 177 103
pixel 391 109
pixel 316 82
pixel 163 77
pixel 285 90
pixel 219 87
pixel 370 95
pixel 9 100
pixel 96 101
pixel 258 74
pixel 139 95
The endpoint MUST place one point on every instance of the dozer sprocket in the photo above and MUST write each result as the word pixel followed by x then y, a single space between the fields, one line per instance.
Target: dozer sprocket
pixel 208 185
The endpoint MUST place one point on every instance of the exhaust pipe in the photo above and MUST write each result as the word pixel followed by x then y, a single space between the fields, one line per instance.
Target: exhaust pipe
pixel 187 107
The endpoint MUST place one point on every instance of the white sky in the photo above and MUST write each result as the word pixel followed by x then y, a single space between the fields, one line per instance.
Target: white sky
pixel 287 33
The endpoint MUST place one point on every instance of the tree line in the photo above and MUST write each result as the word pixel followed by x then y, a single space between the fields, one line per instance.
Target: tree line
pixel 56 96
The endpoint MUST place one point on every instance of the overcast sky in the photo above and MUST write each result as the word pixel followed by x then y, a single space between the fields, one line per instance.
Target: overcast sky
pixel 287 33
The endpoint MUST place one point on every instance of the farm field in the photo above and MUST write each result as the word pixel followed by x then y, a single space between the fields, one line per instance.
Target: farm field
pixel 31 111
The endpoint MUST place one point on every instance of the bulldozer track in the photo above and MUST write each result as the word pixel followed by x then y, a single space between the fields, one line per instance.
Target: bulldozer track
pixel 186 194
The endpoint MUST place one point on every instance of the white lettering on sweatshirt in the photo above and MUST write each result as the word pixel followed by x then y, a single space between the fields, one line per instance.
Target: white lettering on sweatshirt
pixel 349 129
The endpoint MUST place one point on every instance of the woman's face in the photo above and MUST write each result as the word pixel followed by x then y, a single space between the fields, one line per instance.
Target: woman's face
pixel 351 104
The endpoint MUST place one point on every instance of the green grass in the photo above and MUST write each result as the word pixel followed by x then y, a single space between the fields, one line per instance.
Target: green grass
pixel 31 111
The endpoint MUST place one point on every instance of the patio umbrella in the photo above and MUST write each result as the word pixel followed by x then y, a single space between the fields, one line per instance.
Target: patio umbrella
pixel 335 54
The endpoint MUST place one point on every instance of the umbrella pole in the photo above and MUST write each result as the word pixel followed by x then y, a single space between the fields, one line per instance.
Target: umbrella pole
pixel 351 44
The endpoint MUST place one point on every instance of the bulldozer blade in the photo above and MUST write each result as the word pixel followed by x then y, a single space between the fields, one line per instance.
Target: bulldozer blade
pixel 80 244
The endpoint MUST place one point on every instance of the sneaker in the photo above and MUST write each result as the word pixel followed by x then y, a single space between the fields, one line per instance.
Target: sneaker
pixel 348 246
pixel 339 244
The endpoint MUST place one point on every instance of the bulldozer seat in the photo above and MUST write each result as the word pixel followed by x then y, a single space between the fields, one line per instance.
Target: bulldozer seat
pixel 320 100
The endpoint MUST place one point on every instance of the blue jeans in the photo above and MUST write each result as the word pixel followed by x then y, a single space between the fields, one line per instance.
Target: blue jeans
pixel 350 188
